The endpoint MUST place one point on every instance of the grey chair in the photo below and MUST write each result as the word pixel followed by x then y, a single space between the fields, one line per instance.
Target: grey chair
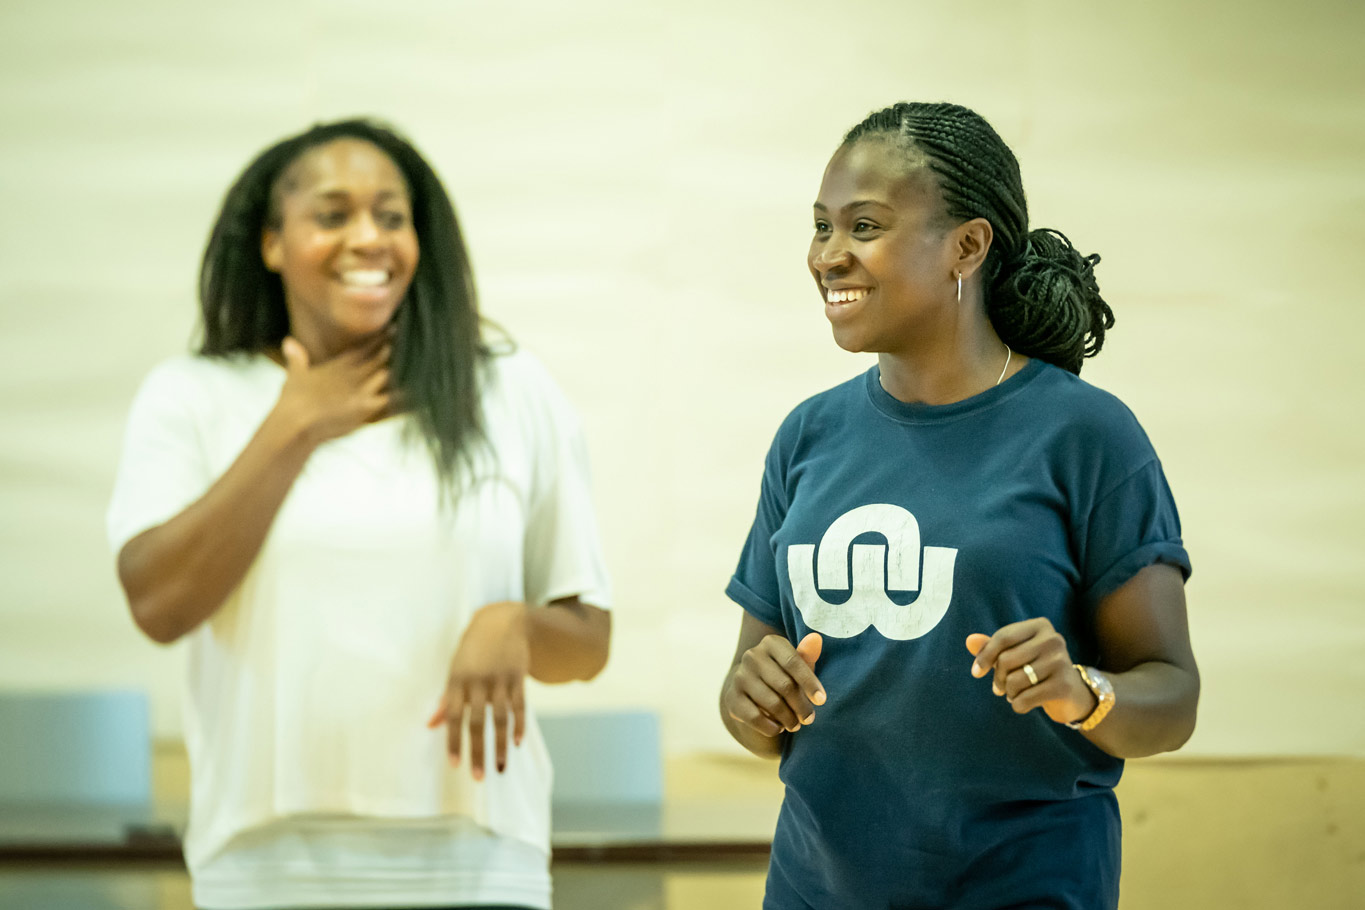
pixel 74 766
pixel 608 776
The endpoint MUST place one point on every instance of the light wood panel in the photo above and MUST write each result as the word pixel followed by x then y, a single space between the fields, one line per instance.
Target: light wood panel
pixel 635 182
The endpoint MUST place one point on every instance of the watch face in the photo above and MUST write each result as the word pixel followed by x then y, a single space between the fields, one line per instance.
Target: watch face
pixel 1104 697
pixel 1102 686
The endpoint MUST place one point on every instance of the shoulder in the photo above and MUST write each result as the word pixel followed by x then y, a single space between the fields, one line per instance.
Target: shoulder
pixel 187 376
pixel 833 405
pixel 202 389
pixel 1084 431
pixel 518 386
pixel 1084 408
pixel 177 370
pixel 820 421
pixel 516 367
pixel 205 369
pixel 518 374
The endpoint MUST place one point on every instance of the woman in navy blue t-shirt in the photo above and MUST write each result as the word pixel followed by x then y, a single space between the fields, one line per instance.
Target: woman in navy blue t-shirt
pixel 969 489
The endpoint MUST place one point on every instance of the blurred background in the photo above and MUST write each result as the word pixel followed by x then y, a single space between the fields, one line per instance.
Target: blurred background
pixel 634 182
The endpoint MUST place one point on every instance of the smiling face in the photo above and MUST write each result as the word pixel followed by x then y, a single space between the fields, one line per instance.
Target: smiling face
pixel 882 255
pixel 344 244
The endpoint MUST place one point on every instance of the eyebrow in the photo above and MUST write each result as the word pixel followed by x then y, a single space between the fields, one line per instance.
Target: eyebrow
pixel 855 204
pixel 342 195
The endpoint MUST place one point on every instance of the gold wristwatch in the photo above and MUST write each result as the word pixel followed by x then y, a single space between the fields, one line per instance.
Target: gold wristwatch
pixel 1104 691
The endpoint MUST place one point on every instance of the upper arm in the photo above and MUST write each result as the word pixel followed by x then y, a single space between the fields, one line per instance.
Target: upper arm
pixel 562 549
pixel 162 467
pixel 1144 620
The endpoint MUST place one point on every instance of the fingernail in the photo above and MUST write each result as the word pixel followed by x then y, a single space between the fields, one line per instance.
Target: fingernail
pixel 516 740
pixel 995 687
pixel 793 729
pixel 808 720
pixel 478 773
pixel 818 697
pixel 454 761
pixel 502 766
pixel 978 670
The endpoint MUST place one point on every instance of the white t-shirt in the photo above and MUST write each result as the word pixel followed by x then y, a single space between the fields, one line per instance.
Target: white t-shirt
pixel 309 688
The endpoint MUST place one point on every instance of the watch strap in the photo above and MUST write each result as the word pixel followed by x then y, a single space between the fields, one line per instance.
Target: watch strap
pixel 1104 695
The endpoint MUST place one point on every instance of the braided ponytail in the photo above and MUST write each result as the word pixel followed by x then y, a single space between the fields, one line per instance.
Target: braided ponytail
pixel 1040 293
pixel 1047 304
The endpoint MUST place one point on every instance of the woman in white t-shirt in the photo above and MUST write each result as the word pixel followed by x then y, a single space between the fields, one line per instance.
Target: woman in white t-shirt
pixel 370 526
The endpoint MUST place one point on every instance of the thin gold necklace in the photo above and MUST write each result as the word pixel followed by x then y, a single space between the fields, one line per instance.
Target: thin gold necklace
pixel 1008 355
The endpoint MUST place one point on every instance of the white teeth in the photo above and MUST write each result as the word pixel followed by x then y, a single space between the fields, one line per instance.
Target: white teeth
pixel 366 278
pixel 847 296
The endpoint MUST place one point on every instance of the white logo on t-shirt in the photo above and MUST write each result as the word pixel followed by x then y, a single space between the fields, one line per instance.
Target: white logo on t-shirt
pixel 869 605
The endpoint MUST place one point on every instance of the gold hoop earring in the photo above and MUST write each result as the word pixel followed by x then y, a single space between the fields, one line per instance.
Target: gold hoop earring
pixel 959 287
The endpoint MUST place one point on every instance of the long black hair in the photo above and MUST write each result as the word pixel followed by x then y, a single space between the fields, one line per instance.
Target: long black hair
pixel 438 348
pixel 1039 292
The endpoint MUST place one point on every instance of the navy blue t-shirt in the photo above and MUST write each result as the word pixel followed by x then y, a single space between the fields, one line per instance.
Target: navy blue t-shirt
pixel 896 530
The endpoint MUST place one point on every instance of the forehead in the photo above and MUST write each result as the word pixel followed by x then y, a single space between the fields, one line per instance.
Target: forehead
pixel 877 170
pixel 347 165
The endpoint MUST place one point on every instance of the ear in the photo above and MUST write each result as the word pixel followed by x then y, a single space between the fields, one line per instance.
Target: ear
pixel 971 242
pixel 272 249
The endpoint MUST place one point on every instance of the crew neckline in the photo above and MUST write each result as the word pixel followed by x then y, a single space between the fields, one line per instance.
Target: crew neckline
pixel 273 375
pixel 919 412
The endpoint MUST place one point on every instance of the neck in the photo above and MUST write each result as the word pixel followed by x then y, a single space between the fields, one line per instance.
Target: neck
pixel 948 373
pixel 321 344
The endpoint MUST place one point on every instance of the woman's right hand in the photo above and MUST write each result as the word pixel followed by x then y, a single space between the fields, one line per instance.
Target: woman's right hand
pixel 340 394
pixel 773 686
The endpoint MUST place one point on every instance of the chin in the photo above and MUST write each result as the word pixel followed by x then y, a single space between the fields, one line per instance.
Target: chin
pixel 851 343
pixel 370 320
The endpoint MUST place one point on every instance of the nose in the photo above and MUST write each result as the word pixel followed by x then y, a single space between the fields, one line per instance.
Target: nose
pixel 830 256
pixel 363 233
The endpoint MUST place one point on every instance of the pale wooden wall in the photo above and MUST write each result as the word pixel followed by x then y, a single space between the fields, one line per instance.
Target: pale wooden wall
pixel 635 181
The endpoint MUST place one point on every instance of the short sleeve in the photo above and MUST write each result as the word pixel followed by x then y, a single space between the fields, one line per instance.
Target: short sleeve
pixel 163 468
pixel 563 551
pixel 754 586
pixel 1131 527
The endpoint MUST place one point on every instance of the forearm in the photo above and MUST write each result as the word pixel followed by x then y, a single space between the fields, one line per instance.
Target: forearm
pixel 1154 710
pixel 569 641
pixel 179 573
pixel 1143 634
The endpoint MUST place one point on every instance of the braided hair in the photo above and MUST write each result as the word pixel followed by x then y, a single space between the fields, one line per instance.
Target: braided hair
pixel 438 347
pixel 1040 293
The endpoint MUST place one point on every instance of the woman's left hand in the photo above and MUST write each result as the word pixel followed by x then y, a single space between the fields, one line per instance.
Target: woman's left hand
pixel 1032 645
pixel 489 670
